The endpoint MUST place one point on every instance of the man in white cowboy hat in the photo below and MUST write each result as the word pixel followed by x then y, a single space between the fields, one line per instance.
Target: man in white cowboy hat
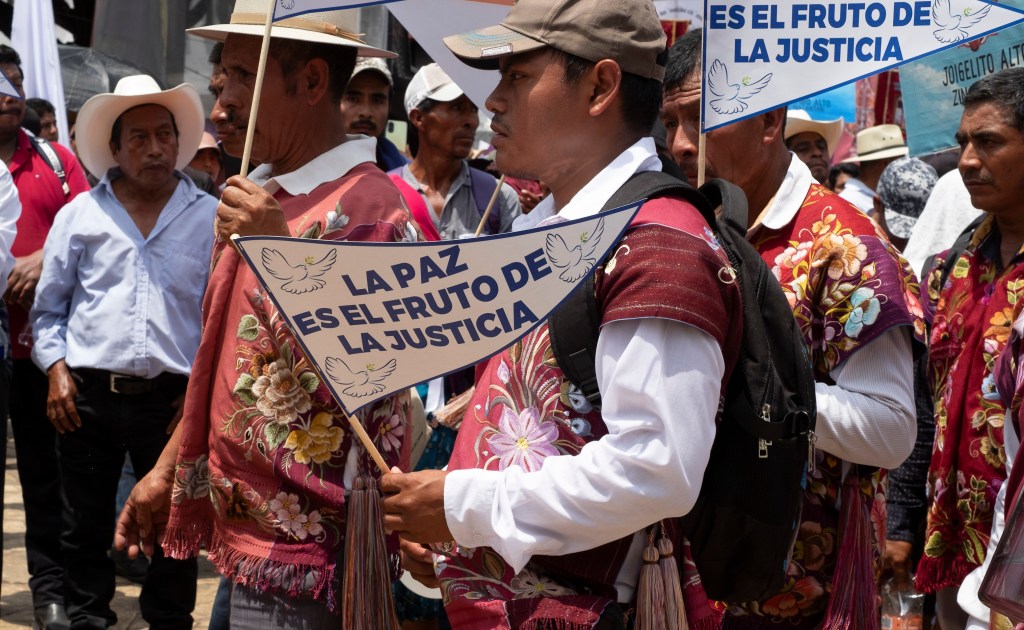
pixel 117 319
pixel 877 147
pixel 456 194
pixel 260 465
pixel 365 107
pixel 813 141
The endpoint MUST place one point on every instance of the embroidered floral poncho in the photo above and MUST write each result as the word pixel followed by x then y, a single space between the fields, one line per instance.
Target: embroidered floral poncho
pixel 524 411
pixel 847 286
pixel 260 478
pixel 974 312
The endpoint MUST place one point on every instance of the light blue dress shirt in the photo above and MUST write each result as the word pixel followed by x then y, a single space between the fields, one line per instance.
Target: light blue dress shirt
pixel 110 299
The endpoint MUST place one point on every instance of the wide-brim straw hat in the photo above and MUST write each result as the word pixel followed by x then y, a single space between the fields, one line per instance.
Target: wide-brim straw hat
pixel 339 27
pixel 798 121
pixel 96 119
pixel 879 142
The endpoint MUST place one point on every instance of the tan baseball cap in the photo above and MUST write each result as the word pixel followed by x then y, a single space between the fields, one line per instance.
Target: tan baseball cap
pixel 625 31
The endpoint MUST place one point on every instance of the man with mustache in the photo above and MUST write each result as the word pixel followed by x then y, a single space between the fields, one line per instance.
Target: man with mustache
pixel 455 194
pixel 365 109
pixel 974 308
pixel 117 323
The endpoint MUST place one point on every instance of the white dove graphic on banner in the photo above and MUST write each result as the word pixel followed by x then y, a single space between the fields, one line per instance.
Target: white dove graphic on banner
pixel 732 97
pixel 954 26
pixel 301 278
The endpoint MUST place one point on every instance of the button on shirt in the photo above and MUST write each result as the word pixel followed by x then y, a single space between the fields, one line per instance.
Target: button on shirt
pixel 460 216
pixel 110 299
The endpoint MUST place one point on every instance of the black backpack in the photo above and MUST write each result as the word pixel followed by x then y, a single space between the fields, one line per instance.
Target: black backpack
pixel 746 518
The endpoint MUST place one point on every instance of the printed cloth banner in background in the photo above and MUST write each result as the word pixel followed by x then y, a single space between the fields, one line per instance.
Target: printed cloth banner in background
pixel 760 55
pixel 679 16
pixel 838 103
pixel 377 318
pixel 934 87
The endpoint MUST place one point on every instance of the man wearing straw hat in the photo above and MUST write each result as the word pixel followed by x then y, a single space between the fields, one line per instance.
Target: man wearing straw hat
pixel 813 141
pixel 877 147
pixel 857 303
pixel 545 494
pixel 262 461
pixel 456 194
pixel 117 321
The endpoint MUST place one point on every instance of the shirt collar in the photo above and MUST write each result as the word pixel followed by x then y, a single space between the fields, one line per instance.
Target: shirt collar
pixel 642 156
pixel 185 183
pixel 791 195
pixel 324 168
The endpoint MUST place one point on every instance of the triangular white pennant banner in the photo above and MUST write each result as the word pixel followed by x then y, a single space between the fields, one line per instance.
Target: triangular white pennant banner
pixel 377 318
pixel 761 55
pixel 293 8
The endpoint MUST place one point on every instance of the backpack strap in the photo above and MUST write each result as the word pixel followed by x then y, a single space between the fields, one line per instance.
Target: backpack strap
pixel 574 326
pixel 417 207
pixel 483 185
pixel 958 248
pixel 47 152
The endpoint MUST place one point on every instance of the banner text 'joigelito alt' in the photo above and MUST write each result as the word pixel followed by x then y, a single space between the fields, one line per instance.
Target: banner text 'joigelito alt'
pixel 761 55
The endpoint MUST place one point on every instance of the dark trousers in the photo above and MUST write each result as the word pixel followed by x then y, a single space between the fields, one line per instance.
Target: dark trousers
pixel 35 445
pixel 91 458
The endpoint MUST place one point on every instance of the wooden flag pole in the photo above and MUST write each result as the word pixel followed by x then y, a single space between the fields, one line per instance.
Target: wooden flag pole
pixel 490 205
pixel 257 89
pixel 702 147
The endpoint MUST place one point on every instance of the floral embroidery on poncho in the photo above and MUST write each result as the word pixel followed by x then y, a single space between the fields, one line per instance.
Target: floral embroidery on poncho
pixel 974 312
pixel 847 286
pixel 261 473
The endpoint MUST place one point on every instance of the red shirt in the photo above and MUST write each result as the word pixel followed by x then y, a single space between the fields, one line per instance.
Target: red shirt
pixel 42 197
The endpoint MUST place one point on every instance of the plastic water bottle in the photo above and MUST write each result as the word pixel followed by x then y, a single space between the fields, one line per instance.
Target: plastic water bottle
pixel 902 609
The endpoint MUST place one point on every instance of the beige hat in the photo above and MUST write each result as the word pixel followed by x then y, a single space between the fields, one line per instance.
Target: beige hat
pixel 626 31
pixel 208 142
pixel 430 82
pixel 798 121
pixel 96 119
pixel 374 64
pixel 878 143
pixel 322 27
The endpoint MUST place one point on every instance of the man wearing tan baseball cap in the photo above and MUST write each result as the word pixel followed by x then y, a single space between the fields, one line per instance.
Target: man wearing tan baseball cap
pixel 545 493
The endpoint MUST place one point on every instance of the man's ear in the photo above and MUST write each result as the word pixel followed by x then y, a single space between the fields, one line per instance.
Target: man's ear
pixel 315 80
pixel 604 84
pixel 774 124
pixel 416 119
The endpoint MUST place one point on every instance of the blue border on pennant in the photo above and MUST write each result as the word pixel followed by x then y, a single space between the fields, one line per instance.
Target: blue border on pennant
pixel 367 3
pixel 704 60
pixel 634 208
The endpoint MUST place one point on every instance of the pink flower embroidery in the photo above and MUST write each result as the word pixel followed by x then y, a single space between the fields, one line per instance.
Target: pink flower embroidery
pixel 391 433
pixel 523 440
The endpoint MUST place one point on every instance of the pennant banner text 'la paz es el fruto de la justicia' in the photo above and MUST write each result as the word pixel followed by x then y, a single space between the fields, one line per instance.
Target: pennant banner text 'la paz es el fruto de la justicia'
pixel 762 55
pixel 377 318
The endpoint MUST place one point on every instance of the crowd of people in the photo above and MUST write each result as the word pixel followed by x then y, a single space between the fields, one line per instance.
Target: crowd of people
pixel 150 379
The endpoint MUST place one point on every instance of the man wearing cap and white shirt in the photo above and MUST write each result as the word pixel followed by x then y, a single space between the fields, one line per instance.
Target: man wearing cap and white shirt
pixel 813 141
pixel 365 107
pixel 117 322
pixel 876 147
pixel 455 194
pixel 257 471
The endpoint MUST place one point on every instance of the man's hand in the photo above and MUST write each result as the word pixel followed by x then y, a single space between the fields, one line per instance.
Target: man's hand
pixel 60 400
pixel 21 284
pixel 419 562
pixel 896 562
pixel 414 506
pixel 143 520
pixel 247 210
pixel 179 409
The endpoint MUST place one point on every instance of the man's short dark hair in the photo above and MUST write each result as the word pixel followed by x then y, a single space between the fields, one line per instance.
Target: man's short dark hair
pixel 115 130
pixel 41 106
pixel 11 56
pixel 684 58
pixel 1004 89
pixel 215 53
pixel 641 97
pixel 292 54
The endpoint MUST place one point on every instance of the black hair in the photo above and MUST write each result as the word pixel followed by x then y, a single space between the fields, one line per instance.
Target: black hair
pixel 843 167
pixel 684 58
pixel 641 97
pixel 215 53
pixel 1004 89
pixel 292 54
pixel 41 106
pixel 115 129
pixel 11 56
pixel 31 121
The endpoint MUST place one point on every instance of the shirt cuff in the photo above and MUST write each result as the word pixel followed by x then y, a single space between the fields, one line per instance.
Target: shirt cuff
pixel 469 497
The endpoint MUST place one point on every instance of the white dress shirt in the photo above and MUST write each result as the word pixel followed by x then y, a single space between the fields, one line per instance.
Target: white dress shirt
pixel 868 416
pixel 651 463
pixel 858 193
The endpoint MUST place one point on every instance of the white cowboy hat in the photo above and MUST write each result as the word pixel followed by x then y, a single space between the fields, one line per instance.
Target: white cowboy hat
pixel 799 121
pixel 337 27
pixel 97 117
pixel 879 142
